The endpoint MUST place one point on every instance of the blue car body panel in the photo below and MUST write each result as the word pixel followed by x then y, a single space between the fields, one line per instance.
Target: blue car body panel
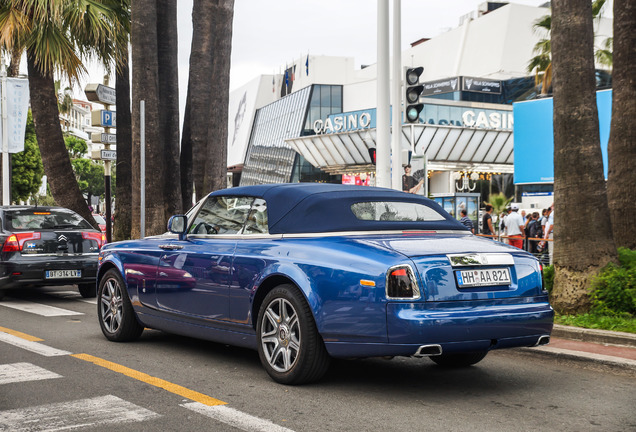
pixel 210 286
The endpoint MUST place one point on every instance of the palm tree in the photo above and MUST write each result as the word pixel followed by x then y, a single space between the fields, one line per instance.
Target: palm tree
pixel 499 202
pixel 605 55
pixel 154 57
pixel 205 124
pixel 582 244
pixel 621 182
pixel 57 35
pixel 541 63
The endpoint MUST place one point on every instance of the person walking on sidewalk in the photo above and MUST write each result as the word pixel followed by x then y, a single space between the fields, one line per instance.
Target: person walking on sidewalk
pixel 514 227
pixel 486 220
pixel 465 220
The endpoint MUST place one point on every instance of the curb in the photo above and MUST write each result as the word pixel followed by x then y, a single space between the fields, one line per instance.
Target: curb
pixel 587 360
pixel 595 336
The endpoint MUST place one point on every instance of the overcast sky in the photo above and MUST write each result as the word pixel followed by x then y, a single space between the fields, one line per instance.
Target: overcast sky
pixel 267 34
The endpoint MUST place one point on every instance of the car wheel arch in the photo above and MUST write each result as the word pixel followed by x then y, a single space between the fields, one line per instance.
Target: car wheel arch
pixel 267 285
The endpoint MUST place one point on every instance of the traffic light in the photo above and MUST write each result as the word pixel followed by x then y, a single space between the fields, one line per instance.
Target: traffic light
pixel 412 92
pixel 372 155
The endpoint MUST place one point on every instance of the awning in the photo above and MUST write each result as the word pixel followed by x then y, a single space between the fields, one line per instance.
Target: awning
pixel 446 147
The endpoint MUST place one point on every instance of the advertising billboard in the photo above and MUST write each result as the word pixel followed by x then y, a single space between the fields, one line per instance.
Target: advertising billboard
pixel 534 138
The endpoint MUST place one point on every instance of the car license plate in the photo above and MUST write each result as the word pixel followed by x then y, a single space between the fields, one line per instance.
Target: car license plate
pixel 483 277
pixel 63 274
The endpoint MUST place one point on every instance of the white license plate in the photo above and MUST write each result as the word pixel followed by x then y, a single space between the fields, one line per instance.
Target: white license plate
pixel 63 274
pixel 483 277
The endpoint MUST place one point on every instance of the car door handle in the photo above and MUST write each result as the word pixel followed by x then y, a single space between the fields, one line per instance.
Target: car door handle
pixel 170 247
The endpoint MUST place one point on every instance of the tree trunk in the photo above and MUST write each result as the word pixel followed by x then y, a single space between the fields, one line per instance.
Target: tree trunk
pixel 169 103
pixel 145 86
pixel 199 97
pixel 187 179
pixel 14 66
pixel 57 164
pixel 216 163
pixel 123 219
pixel 582 233
pixel 621 181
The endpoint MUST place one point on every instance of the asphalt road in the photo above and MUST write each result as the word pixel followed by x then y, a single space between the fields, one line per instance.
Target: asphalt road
pixel 166 382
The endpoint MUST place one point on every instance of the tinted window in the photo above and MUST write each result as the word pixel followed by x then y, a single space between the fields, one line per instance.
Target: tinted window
pixel 222 215
pixel 395 211
pixel 39 220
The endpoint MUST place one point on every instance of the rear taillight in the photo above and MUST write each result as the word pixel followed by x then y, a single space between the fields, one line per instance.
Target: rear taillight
pixel 15 242
pixel 401 284
pixel 98 237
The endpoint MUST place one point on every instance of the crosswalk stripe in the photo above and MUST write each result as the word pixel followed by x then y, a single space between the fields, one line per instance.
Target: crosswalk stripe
pixel 22 372
pixel 37 308
pixel 235 418
pixel 35 347
pixel 74 295
pixel 83 413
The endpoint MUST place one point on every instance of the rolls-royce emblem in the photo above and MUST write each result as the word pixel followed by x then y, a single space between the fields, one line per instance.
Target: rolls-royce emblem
pixel 62 238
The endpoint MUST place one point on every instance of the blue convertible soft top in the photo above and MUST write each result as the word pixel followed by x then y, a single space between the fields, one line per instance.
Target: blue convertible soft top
pixel 295 208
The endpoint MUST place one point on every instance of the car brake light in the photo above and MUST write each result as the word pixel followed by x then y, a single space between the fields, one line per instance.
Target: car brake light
pixel 98 237
pixel 15 242
pixel 400 283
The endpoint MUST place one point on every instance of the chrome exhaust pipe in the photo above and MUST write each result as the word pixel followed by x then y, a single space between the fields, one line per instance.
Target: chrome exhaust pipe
pixel 543 340
pixel 428 350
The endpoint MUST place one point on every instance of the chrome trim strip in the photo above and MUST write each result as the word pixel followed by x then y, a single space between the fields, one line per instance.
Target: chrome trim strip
pixel 56 255
pixel 480 259
pixel 364 233
pixel 416 294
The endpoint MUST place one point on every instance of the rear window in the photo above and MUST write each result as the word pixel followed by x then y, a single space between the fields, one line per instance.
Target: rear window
pixel 391 211
pixel 40 220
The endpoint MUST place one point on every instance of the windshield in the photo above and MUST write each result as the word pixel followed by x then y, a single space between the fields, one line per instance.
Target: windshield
pixel 38 220
pixel 99 219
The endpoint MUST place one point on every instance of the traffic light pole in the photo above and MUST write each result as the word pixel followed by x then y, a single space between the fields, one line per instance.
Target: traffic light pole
pixel 396 99
pixel 383 169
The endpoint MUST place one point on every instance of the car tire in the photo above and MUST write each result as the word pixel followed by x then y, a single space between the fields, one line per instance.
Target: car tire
pixel 114 310
pixel 289 346
pixel 88 290
pixel 459 360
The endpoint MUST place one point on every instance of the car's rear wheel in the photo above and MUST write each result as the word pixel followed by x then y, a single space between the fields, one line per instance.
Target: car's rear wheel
pixel 115 313
pixel 289 346
pixel 457 360
pixel 88 290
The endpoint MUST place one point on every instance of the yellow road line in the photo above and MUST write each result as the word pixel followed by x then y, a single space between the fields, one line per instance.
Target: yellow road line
pixel 157 382
pixel 20 335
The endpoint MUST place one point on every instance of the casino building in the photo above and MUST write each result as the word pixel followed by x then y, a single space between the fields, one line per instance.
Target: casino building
pixel 316 121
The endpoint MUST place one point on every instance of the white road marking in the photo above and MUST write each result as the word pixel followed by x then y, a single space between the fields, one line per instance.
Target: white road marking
pixel 23 372
pixel 83 413
pixel 37 308
pixel 35 347
pixel 74 295
pixel 235 418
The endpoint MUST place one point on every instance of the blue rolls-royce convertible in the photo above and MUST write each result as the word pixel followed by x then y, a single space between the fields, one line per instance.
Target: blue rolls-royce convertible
pixel 306 272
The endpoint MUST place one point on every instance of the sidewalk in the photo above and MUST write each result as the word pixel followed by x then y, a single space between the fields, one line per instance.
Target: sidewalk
pixel 601 349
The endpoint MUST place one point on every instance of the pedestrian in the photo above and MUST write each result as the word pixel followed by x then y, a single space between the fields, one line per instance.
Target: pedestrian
pixel 502 225
pixel 465 220
pixel 409 184
pixel 486 221
pixel 534 232
pixel 514 227
pixel 548 232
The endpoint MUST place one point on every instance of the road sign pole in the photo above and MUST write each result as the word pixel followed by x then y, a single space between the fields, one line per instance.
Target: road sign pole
pixel 142 168
pixel 6 168
pixel 107 179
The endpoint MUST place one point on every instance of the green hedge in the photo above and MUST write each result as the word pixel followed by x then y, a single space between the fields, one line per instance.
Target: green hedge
pixel 613 291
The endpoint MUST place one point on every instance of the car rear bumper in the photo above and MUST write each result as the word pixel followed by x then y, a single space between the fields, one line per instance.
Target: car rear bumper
pixel 32 271
pixel 456 327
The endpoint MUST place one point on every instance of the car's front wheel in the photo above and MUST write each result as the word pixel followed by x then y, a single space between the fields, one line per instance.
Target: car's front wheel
pixel 457 360
pixel 289 346
pixel 115 313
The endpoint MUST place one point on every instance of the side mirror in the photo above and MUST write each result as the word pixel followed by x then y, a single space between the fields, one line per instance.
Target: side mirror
pixel 178 225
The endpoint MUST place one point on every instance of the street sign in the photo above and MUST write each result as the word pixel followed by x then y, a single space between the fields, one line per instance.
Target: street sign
pixel 104 118
pixel 109 155
pixel 105 138
pixel 101 94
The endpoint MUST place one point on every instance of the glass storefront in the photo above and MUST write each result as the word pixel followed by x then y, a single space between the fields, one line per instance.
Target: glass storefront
pixel 269 159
